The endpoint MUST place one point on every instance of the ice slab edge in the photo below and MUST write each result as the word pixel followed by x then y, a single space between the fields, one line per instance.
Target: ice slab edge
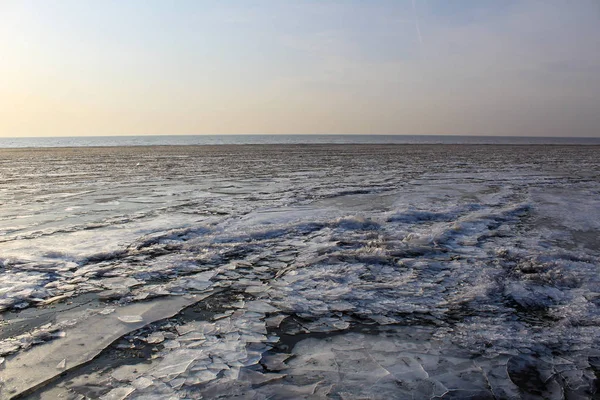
pixel 32 369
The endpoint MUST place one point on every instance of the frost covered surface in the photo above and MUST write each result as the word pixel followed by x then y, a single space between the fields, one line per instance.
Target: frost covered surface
pixel 333 271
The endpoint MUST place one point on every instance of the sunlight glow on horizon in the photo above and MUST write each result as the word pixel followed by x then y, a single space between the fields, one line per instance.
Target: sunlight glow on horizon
pixel 84 68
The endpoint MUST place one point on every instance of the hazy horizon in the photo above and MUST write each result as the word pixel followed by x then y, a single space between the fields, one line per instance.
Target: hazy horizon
pixel 294 134
pixel 422 67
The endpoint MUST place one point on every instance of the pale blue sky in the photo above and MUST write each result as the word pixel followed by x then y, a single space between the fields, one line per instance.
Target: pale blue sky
pixel 481 67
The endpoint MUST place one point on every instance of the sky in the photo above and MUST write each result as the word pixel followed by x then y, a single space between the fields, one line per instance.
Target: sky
pixel 411 67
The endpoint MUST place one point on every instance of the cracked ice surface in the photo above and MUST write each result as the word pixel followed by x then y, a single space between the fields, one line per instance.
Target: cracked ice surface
pixel 340 272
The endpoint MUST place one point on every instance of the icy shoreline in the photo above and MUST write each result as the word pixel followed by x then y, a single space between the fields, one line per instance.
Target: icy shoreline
pixel 443 272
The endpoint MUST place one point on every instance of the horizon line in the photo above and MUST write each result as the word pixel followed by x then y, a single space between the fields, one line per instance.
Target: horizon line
pixel 300 134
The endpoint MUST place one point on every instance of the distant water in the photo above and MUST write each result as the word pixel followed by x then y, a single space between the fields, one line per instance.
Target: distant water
pixel 186 140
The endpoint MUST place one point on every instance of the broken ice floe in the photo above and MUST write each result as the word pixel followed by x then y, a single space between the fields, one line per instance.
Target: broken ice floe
pixel 84 339
pixel 483 254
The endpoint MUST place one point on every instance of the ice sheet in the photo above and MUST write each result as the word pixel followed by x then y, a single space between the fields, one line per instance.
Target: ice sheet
pixel 489 253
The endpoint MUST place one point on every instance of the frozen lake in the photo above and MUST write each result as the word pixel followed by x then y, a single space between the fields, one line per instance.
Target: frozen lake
pixel 300 271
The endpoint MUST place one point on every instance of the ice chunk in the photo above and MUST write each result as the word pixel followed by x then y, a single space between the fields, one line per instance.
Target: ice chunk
pixel 8 347
pixel 274 322
pixel 192 336
pixel 175 363
pixel 172 344
pixel 257 289
pixel 206 327
pixel 226 314
pixel 142 383
pixel 141 296
pixel 177 383
pixel 260 306
pixel 252 337
pixel 56 298
pixel 62 364
pixel 118 283
pixel 119 393
pixel 275 362
pixel 156 337
pixel 205 376
pixel 341 325
pixel 199 281
pixel 183 329
pixel 130 319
